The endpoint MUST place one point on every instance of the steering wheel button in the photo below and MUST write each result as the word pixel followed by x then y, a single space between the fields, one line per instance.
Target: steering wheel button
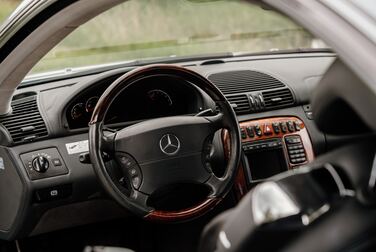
pixel 136 182
pixel 133 172
pixel 208 166
pixel 126 161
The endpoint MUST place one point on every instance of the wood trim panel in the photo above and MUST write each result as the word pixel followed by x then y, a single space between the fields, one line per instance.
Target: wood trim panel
pixel 240 185
pixel 185 214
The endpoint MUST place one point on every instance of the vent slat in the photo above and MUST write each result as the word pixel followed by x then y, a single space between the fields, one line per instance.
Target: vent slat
pixel 29 103
pixel 243 81
pixel 25 113
pixel 26 108
pixel 22 118
pixel 22 134
pixel 241 101
pixel 18 127
pixel 283 98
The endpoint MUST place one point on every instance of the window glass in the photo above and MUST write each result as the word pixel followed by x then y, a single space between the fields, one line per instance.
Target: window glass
pixel 139 29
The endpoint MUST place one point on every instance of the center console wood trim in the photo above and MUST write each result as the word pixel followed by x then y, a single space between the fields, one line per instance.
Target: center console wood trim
pixel 240 185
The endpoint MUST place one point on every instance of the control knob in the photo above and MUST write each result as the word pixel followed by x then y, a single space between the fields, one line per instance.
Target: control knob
pixel 40 164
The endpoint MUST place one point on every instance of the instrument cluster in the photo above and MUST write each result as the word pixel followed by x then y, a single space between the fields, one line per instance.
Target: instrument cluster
pixel 151 98
pixel 80 109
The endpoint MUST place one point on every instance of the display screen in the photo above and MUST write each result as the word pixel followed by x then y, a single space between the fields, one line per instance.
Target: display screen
pixel 264 164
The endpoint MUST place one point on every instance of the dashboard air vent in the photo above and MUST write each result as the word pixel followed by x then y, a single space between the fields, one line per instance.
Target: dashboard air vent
pixel 278 98
pixel 240 103
pixel 243 81
pixel 25 123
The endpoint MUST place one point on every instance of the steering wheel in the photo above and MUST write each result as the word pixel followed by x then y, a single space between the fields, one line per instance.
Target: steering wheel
pixel 165 151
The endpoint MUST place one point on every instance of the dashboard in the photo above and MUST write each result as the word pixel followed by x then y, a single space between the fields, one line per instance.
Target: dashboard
pixel 48 131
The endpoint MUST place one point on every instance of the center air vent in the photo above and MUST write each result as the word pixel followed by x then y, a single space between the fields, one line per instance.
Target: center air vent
pixel 25 123
pixel 278 98
pixel 251 91
pixel 244 81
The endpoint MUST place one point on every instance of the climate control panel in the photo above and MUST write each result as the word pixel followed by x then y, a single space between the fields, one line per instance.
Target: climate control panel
pixel 43 163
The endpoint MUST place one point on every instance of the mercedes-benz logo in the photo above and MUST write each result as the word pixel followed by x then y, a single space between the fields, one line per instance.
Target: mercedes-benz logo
pixel 169 144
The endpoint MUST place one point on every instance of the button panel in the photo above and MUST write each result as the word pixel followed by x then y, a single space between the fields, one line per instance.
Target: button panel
pixel 52 156
pixel 270 128
pixel 131 169
pixel 295 149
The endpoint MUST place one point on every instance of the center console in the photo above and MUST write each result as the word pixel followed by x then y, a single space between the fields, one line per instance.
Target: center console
pixel 271 146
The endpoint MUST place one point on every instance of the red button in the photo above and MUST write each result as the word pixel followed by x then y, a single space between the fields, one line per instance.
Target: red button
pixel 267 129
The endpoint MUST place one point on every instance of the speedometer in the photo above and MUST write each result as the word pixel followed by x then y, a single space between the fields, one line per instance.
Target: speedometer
pixel 90 104
pixel 77 111
pixel 160 97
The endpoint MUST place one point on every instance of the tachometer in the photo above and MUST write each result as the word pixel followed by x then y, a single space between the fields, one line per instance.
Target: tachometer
pixel 160 97
pixel 77 111
pixel 90 104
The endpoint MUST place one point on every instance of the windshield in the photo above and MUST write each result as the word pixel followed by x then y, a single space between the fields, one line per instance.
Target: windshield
pixel 143 29
pixel 6 8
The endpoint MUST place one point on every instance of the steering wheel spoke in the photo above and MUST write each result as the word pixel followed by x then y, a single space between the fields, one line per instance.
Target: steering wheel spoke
pixel 215 185
pixel 217 122
pixel 141 200
pixel 107 141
